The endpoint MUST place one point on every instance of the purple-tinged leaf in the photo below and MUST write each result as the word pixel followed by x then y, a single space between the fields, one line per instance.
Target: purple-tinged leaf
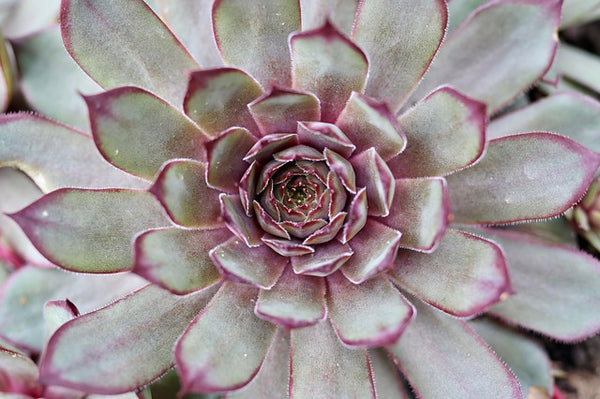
pixel 50 80
pixel 321 135
pixel 247 187
pixel 90 230
pixel 218 99
pixel 522 177
pixel 57 313
pixel 280 110
pixel 321 365
pixel 180 15
pixel 326 259
pixel 373 173
pixel 464 366
pixel 498 52
pixel 19 376
pixel 398 57
pixel 371 314
pixel 303 229
pixel 386 377
pixel 56 156
pixel 126 45
pixel 227 323
pixel 342 168
pixel 299 152
pixel 578 67
pixel 338 194
pixel 269 224
pixel 225 155
pixel 18 191
pixel 240 224
pixel 375 248
pixel 177 259
pixel 420 211
pixel 464 276
pixel 556 287
pixel 287 247
pixel 181 188
pixel 253 36
pixel 266 146
pixel 525 357
pixel 137 131
pixel 369 123
pixel 272 378
pixel 295 301
pixel 340 12
pixel 84 354
pixel 445 132
pixel 328 64
pixel 23 296
pixel 257 266
pixel 570 114
pixel 328 232
pixel 357 216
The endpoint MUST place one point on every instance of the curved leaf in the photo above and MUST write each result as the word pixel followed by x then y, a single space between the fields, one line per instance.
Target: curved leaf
pixel 126 44
pixel 90 230
pixel 523 177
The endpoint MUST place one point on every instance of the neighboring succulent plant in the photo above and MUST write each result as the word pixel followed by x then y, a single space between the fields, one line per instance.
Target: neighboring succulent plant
pixel 313 195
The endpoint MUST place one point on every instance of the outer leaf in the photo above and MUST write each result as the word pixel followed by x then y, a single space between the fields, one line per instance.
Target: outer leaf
pixel 371 314
pixel 177 259
pixel 272 378
pixel 329 65
pixel 578 65
pixel 90 231
pixel 218 99
pixel 137 131
pixel 498 52
pixel 17 191
pixel 180 15
pixel 126 45
pixel 51 80
pixel 321 365
pixel 525 357
pixel 551 298
pixel 83 354
pixel 464 366
pixel 253 36
pixel 240 224
pixel 577 12
pixel 339 12
pixel 56 156
pixel 245 337
pixel 386 377
pixel 182 189
pixel 445 132
pixel 529 176
pixel 23 296
pixel 258 266
pixel 295 301
pixel 463 276
pixel 420 211
pixel 19 375
pixel 570 114
pixel 398 57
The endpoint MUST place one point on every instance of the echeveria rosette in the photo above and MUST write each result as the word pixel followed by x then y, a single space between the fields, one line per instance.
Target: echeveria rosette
pixel 286 180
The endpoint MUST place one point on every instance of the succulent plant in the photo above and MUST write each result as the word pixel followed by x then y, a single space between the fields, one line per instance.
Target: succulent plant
pixel 310 205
